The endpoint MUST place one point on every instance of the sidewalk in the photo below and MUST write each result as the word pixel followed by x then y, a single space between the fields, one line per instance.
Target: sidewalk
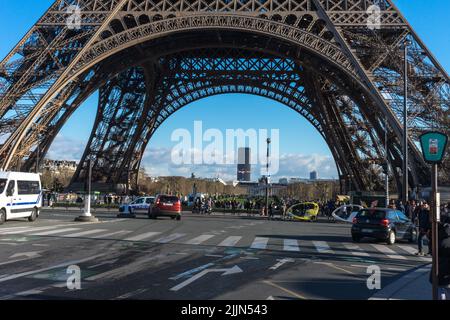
pixel 413 286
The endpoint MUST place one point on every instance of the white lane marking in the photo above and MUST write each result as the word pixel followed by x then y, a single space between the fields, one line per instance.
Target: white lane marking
pixel 199 239
pixel 142 236
pixel 290 245
pixel 107 235
pixel 260 243
pixel 29 229
pixel 388 252
pixel 281 262
pixel 322 247
pixel 52 232
pixel 356 250
pixel 103 263
pixel 230 241
pixel 12 229
pixel 192 271
pixel 84 233
pixel 130 294
pixel 170 238
pixel 413 251
pixel 65 264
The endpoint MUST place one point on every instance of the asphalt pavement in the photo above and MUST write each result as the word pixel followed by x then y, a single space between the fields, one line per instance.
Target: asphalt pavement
pixel 200 257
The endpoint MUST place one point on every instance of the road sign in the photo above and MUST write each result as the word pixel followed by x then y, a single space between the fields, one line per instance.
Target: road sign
pixel 433 145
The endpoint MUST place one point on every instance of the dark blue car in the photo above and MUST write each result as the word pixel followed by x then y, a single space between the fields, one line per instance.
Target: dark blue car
pixel 383 224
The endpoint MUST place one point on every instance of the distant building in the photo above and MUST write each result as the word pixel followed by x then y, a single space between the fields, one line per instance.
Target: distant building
pixel 283 181
pixel 244 166
pixel 313 175
pixel 57 166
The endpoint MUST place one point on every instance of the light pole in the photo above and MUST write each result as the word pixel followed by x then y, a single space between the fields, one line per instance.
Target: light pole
pixel 87 216
pixel 267 177
pixel 386 162
pixel 405 125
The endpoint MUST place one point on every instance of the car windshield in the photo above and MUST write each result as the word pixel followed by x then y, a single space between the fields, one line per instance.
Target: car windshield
pixel 2 185
pixel 373 214
pixel 168 199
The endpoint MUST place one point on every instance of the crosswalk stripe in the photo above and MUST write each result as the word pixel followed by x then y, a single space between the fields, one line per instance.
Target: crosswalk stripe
pixel 388 252
pixel 84 233
pixel 356 250
pixel 200 239
pixel 322 247
pixel 290 245
pixel 230 241
pixel 413 251
pixel 259 243
pixel 27 229
pixel 107 235
pixel 170 238
pixel 52 232
pixel 142 236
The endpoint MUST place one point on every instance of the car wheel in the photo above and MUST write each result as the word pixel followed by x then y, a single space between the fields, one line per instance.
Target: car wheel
pixel 356 238
pixel 2 216
pixel 178 218
pixel 391 238
pixel 413 238
pixel 172 217
pixel 33 215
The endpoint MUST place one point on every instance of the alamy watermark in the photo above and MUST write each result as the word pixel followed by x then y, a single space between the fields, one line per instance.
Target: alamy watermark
pixel 74 280
pixel 374 19
pixel 73 21
pixel 213 147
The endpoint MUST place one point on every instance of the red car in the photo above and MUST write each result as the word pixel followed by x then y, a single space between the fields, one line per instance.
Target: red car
pixel 167 206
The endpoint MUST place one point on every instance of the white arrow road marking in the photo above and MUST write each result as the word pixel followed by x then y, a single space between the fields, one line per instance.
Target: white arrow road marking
pixel 281 262
pixel 226 272
pixel 23 274
pixel 32 254
pixel 27 255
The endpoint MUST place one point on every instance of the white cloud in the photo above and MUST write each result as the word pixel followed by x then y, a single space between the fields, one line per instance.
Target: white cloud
pixel 64 148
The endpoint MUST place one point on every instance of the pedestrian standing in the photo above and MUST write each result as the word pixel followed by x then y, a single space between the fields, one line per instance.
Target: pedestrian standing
pixel 424 229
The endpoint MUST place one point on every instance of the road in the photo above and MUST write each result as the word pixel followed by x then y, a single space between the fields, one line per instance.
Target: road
pixel 199 257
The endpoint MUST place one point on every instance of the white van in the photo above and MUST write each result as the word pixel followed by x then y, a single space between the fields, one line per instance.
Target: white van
pixel 20 195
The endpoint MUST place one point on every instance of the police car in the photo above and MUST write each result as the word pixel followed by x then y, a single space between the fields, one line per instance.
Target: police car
pixel 138 206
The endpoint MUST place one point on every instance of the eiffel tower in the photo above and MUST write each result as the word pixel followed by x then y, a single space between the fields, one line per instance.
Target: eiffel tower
pixel 338 63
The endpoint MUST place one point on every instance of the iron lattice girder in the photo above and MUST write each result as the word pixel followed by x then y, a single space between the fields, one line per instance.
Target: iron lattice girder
pixel 50 57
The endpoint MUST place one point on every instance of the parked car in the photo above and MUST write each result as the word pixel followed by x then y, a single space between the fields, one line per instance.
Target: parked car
pixel 20 196
pixel 384 224
pixel 138 206
pixel 165 205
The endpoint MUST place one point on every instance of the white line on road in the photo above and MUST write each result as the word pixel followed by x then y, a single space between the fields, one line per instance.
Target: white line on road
pixel 52 232
pixel 65 264
pixel 260 243
pixel 199 239
pixel 130 294
pixel 413 251
pixel 170 238
pixel 108 235
pixel 356 250
pixel 290 245
pixel 280 263
pixel 84 233
pixel 322 247
pixel 142 236
pixel 230 241
pixel 388 252
pixel 28 229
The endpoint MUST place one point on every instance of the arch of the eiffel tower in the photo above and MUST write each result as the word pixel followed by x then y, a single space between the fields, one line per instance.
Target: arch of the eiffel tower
pixel 149 58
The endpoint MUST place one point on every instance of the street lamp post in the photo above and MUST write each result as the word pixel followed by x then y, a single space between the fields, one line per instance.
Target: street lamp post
pixel 87 216
pixel 267 177
pixel 405 125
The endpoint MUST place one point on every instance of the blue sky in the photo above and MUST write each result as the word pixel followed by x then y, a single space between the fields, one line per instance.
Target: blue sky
pixel 301 147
